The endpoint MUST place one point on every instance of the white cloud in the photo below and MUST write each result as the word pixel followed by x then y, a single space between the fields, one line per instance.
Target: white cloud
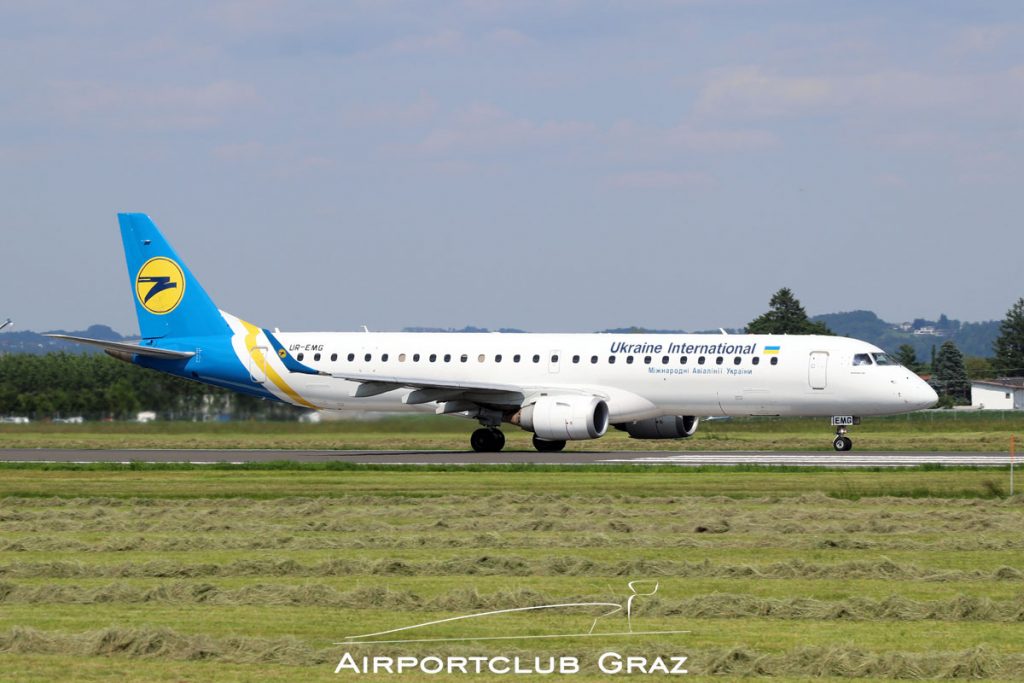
pixel 661 180
pixel 753 92
pixel 143 107
pixel 486 129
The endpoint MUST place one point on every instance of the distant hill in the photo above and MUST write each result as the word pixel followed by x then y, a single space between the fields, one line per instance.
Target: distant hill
pixel 26 341
pixel 973 339
pixel 466 329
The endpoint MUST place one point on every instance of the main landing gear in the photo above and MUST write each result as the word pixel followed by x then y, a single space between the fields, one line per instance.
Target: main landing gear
pixel 842 442
pixel 545 446
pixel 491 440
pixel 487 440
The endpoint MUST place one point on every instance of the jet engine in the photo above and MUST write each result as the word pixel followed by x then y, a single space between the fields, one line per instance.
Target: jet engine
pixel 564 418
pixel 667 427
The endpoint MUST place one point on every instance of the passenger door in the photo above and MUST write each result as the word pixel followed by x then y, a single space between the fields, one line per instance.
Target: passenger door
pixel 817 370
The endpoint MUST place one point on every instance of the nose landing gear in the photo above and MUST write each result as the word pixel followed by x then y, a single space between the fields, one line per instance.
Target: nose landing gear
pixel 841 422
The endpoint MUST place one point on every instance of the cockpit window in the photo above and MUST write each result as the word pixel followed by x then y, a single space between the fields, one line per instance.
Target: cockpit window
pixel 884 359
pixel 862 359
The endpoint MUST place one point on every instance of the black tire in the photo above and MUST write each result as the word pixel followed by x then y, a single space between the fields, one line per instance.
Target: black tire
pixel 545 446
pixel 487 440
pixel 481 440
pixel 843 443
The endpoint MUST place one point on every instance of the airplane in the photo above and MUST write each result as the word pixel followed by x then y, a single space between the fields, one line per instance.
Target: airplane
pixel 560 387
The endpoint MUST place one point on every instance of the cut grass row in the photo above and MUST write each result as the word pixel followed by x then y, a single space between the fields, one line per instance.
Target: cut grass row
pixel 415 483
pixel 769 575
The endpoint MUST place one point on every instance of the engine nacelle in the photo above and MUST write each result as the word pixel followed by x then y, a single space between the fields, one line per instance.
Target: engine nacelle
pixel 666 427
pixel 565 418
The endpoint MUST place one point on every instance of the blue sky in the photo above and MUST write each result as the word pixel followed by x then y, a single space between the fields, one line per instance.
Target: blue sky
pixel 552 166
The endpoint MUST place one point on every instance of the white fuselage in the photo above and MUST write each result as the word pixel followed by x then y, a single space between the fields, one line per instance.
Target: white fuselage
pixel 639 375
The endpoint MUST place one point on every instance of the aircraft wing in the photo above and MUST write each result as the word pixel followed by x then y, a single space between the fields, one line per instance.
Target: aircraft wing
pixel 123 348
pixel 433 390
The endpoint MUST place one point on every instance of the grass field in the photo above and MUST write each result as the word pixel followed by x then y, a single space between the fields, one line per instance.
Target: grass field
pixel 932 431
pixel 190 574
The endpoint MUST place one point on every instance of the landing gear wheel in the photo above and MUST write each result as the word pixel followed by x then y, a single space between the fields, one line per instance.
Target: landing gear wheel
pixel 842 443
pixel 545 446
pixel 487 440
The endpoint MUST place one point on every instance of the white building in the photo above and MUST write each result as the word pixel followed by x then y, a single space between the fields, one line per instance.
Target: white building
pixel 998 394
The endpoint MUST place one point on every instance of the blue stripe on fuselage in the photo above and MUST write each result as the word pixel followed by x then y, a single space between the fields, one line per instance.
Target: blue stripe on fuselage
pixel 215 363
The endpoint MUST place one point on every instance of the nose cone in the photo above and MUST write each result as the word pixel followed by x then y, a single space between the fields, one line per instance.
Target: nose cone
pixel 920 395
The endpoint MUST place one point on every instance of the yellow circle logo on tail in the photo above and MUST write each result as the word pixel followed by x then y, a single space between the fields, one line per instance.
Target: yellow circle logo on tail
pixel 282 353
pixel 160 285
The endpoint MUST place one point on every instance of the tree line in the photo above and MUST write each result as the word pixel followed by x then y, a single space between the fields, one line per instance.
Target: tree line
pixel 96 387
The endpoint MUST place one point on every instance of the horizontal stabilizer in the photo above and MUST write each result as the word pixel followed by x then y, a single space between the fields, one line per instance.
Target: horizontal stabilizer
pixel 122 347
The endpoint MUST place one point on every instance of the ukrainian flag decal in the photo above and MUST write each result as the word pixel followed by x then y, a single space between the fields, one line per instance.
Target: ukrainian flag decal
pixel 160 285
pixel 771 350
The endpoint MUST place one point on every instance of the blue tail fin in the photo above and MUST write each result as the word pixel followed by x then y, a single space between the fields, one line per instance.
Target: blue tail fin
pixel 169 301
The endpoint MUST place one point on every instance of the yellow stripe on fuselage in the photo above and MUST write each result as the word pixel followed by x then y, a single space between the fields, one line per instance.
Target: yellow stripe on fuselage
pixel 262 362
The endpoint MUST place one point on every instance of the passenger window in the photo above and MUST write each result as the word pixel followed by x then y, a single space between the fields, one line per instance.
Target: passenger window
pixel 629 360
pixel 415 358
pixel 554 359
pixel 300 356
pixel 463 358
pixel 515 358
pixel 737 360
pixel 861 359
pixel 755 360
pixel 611 360
pixel 384 358
pixel 351 357
pixel 718 361
pixel 664 360
pixel 433 358
pixel 447 358
pixel 334 356
pixel 775 360
pixel 575 359
pixel 497 358
pixel 700 361
pixel 536 358
pixel 316 356
pixel 682 360
pixel 367 357
pixel 480 358
pixel 647 360
pixel 401 358
pixel 593 360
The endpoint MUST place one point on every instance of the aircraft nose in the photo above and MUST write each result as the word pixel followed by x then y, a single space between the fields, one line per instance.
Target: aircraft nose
pixel 921 395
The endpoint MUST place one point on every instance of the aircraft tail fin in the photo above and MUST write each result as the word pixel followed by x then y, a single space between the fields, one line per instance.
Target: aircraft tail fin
pixel 169 301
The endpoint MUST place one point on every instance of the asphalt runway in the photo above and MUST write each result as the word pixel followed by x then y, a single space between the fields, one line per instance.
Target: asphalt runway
pixel 817 459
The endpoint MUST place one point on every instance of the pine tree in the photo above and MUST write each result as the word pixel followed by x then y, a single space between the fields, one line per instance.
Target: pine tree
pixel 907 357
pixel 1009 345
pixel 949 376
pixel 786 316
